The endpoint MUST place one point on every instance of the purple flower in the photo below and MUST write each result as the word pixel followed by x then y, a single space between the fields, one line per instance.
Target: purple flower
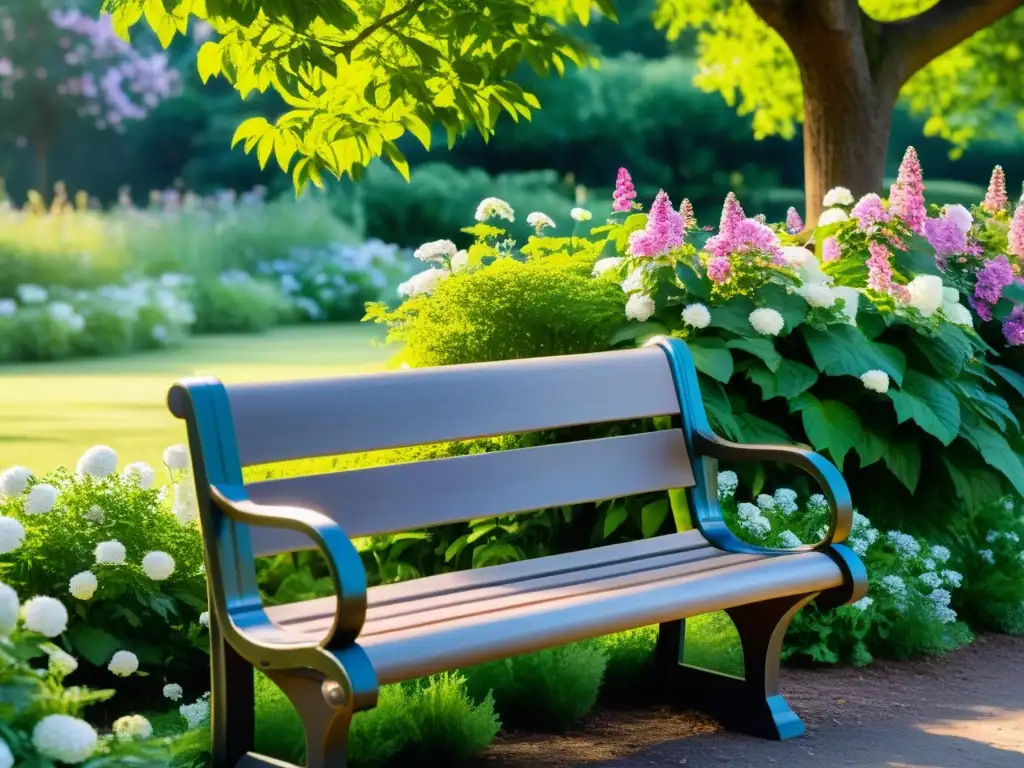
pixel 1013 328
pixel 625 192
pixel 992 278
pixel 946 237
pixel 879 268
pixel 794 223
pixel 906 195
pixel 869 212
pixel 831 250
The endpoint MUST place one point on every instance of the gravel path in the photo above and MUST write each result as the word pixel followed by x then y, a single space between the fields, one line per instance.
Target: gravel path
pixel 962 711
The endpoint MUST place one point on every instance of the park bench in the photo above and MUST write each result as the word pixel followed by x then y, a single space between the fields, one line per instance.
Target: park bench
pixel 330 655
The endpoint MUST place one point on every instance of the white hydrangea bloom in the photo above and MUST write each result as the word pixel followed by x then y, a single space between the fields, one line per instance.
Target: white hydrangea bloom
pixel 99 461
pixel 132 727
pixel 837 196
pixel 905 544
pixel 832 216
pixel 896 587
pixel 6 756
pixel 437 250
pixel 929 564
pixel 423 283
pixel 186 506
pixel 958 314
pixel 765 502
pixel 110 553
pixel 581 214
pixel 697 316
pixel 32 294
pixel 9 609
pixel 603 265
pixel 124 663
pixel 460 261
pixel 875 381
pixel 752 521
pixel 539 221
pixel 14 481
pixel 45 615
pixel 940 553
pixel 173 691
pixel 864 603
pixel 8 307
pixel 62 663
pixel 988 556
pixel 65 739
pixel 818 295
pixel 1011 537
pixel 639 307
pixel 817 503
pixel 204 618
pixel 767 321
pixel 930 579
pixel 955 579
pixel 851 302
pixel 83 585
pixel 158 565
pixel 959 216
pixel 992 536
pixel 926 294
pixel 41 498
pixel 176 457
pixel 494 206
pixel 940 604
pixel 196 714
pixel 789 540
pixel 634 281
pixel 95 514
pixel 12 535
pixel 139 472
pixel 728 481
pixel 785 501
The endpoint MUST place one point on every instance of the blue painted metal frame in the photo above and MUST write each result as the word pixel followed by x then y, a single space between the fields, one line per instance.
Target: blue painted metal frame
pixel 706 449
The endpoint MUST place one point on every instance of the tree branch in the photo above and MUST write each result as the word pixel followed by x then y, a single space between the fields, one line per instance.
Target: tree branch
pixel 926 36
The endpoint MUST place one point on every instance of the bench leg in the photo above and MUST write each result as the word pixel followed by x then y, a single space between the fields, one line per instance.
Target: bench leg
pixel 750 705
pixel 232 703
pixel 325 715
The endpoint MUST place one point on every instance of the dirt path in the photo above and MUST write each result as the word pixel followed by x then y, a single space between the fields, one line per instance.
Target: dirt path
pixel 962 711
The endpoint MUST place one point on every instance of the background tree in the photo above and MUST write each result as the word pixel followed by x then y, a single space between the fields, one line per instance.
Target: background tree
pixel 358 76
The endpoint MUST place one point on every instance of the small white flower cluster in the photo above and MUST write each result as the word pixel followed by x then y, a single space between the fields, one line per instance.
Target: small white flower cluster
pixel 864 603
pixel 100 461
pixel 185 505
pixel 581 214
pixel 606 264
pixel 176 458
pixel 904 544
pixel 639 307
pixel 818 504
pixel 83 585
pixel 789 540
pixel 437 251
pixel 41 499
pixel 767 321
pixel 197 713
pixel 12 535
pixel 940 553
pixel 785 501
pixel 140 473
pixel 491 207
pixel 765 502
pixel 862 534
pixel 728 482
pixel 132 727
pixel 697 316
pixel 931 579
pixel 953 579
pixel 995 536
pixel 157 565
pixel 123 664
pixel 836 196
pixel 752 520
pixel 940 605
pixel 897 588
pixel 875 381
pixel 41 614
pixel 987 555
pixel 173 691
pixel 65 739
pixel 540 221
pixel 14 481
pixel 423 283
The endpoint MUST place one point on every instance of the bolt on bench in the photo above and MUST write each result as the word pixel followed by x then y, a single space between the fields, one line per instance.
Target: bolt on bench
pixel 330 655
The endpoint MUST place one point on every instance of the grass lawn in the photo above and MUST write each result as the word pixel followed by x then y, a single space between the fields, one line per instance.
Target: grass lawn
pixel 51 412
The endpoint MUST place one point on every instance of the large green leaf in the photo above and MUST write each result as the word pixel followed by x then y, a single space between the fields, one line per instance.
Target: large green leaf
pixel 790 380
pixel 833 427
pixel 871 446
pixel 762 348
pixel 652 517
pixel 904 460
pixel 843 350
pixel 695 282
pixel 850 271
pixel 987 404
pixel 918 259
pixel 792 306
pixel 712 358
pixel 947 351
pixel 930 404
pixel 1011 377
pixel 758 430
pixel 975 486
pixel 719 410
pixel 93 643
pixel 994 450
pixel 734 315
pixel 635 334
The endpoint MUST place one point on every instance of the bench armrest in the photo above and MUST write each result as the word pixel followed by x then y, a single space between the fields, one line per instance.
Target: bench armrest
pixel 343 561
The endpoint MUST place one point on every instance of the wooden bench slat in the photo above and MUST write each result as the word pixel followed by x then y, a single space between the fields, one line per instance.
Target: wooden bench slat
pixel 426 649
pixel 404 497
pixel 413 590
pixel 328 417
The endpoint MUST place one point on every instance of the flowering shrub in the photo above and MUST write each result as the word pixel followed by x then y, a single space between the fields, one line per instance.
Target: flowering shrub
pixel 118 563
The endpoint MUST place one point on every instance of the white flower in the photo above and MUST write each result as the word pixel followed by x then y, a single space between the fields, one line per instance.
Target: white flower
pixel 765 502
pixel 173 692
pixel 958 314
pixel 539 221
pixel 603 265
pixel 837 196
pixel 581 214
pixel 863 604
pixel 9 609
pixel 895 586
pixel 929 564
pixel 65 739
pixel 83 585
pixel 493 206
pixel 696 316
pixel 176 457
pixel 14 481
pixel 940 553
pixel 98 461
pixel 6 757
pixel 634 281
pixel 139 472
pixel 926 294
pixel 41 499
pixel 833 216
pixel 817 503
pixel 185 506
pixel 95 514
pixel 932 580
pixel 110 552
pixel 8 307
pixel 32 294
pixel 158 565
pixel 851 301
pixel 204 618
pixel 197 713
pixel 639 307
pixel 436 250
pixel 905 544
pixel 62 663
pixel 727 483
pixel 423 283
pixel 988 556
pixel 804 263
pixel 123 663
pixel 766 321
pixel 817 295
pixel 132 727
pixel 992 536
pixel 12 534
pixel 954 579
pixel 785 501
pixel 45 615
pixel 789 540
pixel 875 380
pixel 752 521
pixel 460 261
pixel 959 216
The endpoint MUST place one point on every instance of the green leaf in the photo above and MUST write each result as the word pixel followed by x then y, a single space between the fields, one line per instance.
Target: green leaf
pixel 791 306
pixel 903 459
pixel 947 351
pixel 976 487
pixel 833 427
pixel 719 410
pixel 253 128
pixel 652 517
pixel 695 282
pixel 208 60
pixel 758 430
pixel 871 447
pixel 843 350
pixel 680 510
pixel 613 519
pixel 636 333
pixel 994 450
pixel 930 404
pixel 1011 377
pixel 711 358
pixel 791 379
pixel 93 644
pixel 734 315
pixel 762 348
pixel 918 259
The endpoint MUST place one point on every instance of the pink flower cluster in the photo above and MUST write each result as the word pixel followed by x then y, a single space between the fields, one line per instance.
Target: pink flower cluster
pixel 625 192
pixel 992 279
pixel 737 234
pixel 794 223
pixel 1016 233
pixel 906 195
pixel 995 198
pixel 831 250
pixel 686 212
pixel 869 212
pixel 879 268
pixel 664 231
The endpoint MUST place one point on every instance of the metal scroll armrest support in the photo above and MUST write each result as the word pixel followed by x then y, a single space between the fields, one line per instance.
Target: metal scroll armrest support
pixel 343 562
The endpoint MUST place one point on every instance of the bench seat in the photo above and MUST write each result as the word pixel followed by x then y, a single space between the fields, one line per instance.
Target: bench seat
pixel 436 623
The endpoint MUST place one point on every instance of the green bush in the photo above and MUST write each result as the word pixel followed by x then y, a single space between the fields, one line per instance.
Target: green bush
pixel 628 675
pixel 548 690
pixel 236 303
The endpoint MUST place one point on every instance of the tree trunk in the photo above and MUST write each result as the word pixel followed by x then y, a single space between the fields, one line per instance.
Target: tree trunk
pixel 847 122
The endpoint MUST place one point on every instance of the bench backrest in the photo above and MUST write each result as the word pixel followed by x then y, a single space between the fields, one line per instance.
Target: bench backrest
pixel 276 422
